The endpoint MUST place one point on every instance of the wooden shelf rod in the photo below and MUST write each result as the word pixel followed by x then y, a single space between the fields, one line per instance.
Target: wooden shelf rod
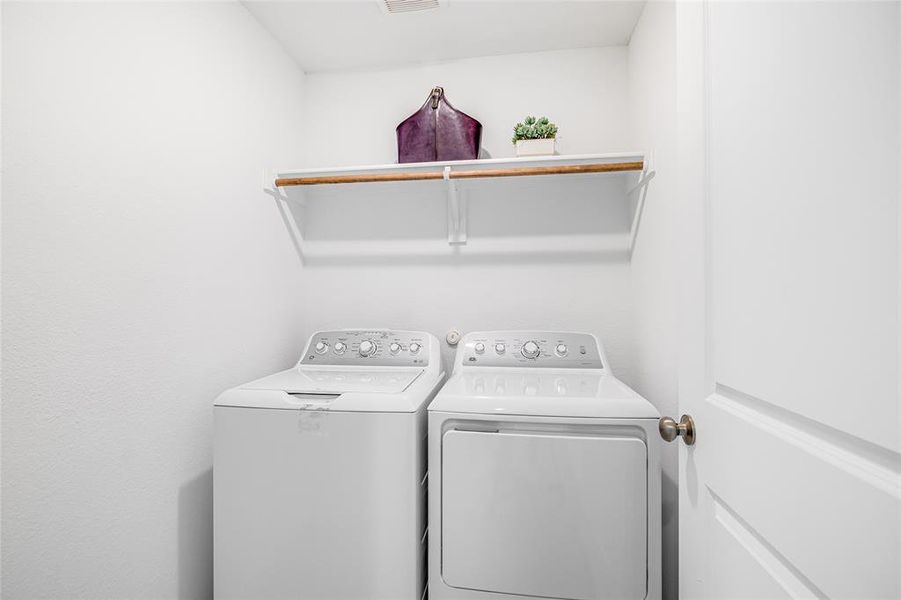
pixel 473 174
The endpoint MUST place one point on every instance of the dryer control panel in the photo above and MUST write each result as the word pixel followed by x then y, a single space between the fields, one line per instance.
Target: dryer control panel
pixel 540 349
pixel 368 347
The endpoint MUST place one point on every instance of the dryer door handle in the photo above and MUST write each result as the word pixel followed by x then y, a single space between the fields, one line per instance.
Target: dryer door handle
pixel 477 429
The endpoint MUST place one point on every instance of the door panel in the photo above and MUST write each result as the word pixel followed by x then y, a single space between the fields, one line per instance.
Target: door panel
pixel 748 570
pixel 545 515
pixel 790 140
pixel 817 504
pixel 803 176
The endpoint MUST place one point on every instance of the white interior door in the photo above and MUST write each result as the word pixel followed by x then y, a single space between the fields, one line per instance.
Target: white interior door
pixel 789 143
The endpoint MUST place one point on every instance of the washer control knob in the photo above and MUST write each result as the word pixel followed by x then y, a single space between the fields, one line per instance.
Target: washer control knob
pixel 531 349
pixel 415 348
pixel 394 347
pixel 560 350
pixel 367 348
pixel 321 347
pixel 500 348
pixel 480 348
pixel 340 347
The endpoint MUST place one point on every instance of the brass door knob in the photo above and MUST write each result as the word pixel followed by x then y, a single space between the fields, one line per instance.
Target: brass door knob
pixel 685 428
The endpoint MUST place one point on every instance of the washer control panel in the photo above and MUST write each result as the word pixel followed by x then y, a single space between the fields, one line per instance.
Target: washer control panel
pixel 378 347
pixel 540 349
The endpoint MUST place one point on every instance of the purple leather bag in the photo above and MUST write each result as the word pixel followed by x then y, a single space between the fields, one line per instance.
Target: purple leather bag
pixel 438 131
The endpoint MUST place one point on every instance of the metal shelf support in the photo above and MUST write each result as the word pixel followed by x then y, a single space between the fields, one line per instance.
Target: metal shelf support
pixel 641 188
pixel 457 191
pixel 456 211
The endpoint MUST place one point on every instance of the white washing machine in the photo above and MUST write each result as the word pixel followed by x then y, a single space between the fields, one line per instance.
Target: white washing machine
pixel 319 472
pixel 544 474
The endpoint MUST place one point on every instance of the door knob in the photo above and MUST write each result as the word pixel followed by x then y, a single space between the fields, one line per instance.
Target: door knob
pixel 670 430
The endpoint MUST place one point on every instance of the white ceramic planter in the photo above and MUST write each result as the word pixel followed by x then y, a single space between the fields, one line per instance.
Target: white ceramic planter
pixel 546 147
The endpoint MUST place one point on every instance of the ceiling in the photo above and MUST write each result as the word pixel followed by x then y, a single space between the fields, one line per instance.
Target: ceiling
pixel 327 35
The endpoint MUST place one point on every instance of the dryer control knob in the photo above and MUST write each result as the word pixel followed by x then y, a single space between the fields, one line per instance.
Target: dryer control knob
pixel 500 348
pixel 531 349
pixel 561 350
pixel 394 347
pixel 321 347
pixel 480 348
pixel 367 348
pixel 414 348
pixel 340 347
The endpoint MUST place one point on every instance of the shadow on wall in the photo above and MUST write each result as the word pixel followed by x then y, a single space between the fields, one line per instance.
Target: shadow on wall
pixel 195 538
pixel 670 524
pixel 535 220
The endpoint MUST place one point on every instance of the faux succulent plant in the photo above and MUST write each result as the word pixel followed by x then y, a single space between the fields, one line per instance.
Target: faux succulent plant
pixel 534 129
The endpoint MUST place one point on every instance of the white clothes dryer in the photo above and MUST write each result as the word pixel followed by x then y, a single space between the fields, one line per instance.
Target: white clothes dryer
pixel 319 472
pixel 544 474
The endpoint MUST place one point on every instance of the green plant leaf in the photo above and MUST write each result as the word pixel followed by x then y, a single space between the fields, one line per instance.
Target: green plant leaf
pixel 531 128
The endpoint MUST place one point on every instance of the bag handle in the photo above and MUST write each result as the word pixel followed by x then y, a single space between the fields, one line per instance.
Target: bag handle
pixel 437 95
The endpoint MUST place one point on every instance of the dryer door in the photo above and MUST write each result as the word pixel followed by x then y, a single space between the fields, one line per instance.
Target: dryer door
pixel 545 514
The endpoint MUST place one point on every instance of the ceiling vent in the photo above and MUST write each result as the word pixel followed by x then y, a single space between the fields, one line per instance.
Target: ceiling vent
pixel 396 7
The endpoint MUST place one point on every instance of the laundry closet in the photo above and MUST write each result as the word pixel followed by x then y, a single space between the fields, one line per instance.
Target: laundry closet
pixel 593 252
pixel 191 190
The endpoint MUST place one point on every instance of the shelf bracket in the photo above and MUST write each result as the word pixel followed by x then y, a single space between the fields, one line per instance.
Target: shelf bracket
pixel 456 211
pixel 287 215
pixel 641 188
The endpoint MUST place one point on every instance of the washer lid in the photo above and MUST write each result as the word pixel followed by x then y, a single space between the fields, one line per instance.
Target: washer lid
pixel 337 390
pixel 337 381
pixel 542 392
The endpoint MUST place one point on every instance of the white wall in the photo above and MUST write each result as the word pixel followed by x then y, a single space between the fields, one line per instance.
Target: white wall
pixel 351 117
pixel 142 274
pixel 1 293
pixel 604 100
pixel 148 273
pixel 583 91
pixel 652 94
